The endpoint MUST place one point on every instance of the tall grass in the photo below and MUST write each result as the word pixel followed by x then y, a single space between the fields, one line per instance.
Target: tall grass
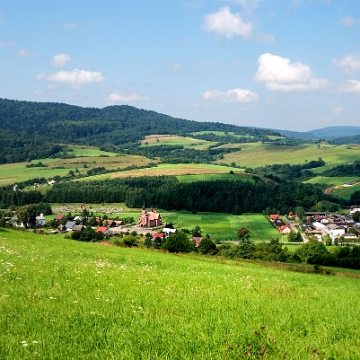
pixel 61 299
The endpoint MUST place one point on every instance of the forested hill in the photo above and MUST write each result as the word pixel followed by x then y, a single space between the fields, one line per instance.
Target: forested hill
pixel 34 127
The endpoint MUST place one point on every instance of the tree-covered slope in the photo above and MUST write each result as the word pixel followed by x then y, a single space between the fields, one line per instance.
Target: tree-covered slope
pixel 26 126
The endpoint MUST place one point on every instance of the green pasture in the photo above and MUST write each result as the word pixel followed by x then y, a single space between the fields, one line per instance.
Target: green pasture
pixel 221 226
pixel 331 180
pixel 17 172
pixel 258 154
pixel 187 142
pixel 83 151
pixel 222 133
pixel 209 177
pixel 61 299
pixel 345 192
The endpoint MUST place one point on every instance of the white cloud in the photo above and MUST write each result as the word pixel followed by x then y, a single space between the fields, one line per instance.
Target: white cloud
pixel 116 98
pixel 9 43
pixel 350 86
pixel 279 74
pixel 60 60
pixel 231 96
pixel 75 78
pixel 177 67
pixel 70 26
pixel 338 110
pixel 348 63
pixel 224 23
pixel 349 21
pixel 22 53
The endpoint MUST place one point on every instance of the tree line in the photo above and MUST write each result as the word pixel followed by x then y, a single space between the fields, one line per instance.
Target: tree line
pixel 166 192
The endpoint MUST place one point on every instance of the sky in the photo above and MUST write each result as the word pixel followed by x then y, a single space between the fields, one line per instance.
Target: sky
pixel 281 64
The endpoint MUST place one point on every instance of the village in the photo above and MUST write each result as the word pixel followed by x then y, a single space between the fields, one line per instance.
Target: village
pixel 324 227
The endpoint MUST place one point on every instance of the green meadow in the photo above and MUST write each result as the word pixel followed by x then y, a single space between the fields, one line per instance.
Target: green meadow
pixel 61 299
pixel 331 180
pixel 345 192
pixel 221 226
pixel 258 154
pixel 208 177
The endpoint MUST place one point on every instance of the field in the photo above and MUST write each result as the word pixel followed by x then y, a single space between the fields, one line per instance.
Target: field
pixel 61 299
pixel 207 177
pixel 154 140
pixel 345 192
pixel 258 154
pixel 331 180
pixel 224 226
pixel 12 173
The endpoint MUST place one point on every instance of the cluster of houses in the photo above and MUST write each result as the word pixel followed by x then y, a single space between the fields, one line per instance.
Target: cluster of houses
pixel 319 224
pixel 281 227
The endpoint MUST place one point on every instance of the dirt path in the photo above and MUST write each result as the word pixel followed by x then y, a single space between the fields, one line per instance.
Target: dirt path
pixel 252 229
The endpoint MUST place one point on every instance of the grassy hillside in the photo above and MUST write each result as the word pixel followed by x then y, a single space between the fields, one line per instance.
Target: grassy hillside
pixel 61 299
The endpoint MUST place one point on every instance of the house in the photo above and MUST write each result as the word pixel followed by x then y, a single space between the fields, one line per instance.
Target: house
pixel 78 228
pixel 285 229
pixel 59 217
pixel 196 240
pixel 278 223
pixel 168 231
pixel 149 219
pixel 335 231
pixel 274 217
pixel 103 229
pixel 69 225
pixel 40 220
pixel 158 235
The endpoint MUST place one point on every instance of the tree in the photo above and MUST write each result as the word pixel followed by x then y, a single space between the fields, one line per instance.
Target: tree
pixel 27 214
pixel 294 237
pixel 243 234
pixel 178 242
pixel 356 216
pixel 311 248
pixel 207 246
pixel 196 231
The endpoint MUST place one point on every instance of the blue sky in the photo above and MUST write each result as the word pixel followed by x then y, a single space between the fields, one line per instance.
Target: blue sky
pixel 285 64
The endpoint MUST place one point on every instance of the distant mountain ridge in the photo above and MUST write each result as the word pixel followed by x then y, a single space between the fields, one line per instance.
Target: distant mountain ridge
pixel 335 132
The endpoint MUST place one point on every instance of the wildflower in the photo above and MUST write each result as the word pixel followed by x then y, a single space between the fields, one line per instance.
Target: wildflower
pixel 35 342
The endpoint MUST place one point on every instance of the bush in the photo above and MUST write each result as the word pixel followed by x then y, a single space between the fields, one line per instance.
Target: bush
pixel 178 242
pixel 207 246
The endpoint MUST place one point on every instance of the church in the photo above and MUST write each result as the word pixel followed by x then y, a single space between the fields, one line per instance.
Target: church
pixel 149 219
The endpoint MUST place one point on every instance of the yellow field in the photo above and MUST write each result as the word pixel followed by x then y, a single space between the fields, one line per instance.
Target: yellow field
pixel 176 169
pixel 188 142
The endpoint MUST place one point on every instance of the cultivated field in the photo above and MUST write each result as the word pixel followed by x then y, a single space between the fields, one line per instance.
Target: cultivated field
pixel 61 299
pixel 188 142
pixel 222 226
pixel 11 173
pixel 258 154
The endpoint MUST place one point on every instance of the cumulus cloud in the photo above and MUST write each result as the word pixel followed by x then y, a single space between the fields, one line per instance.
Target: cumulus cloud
pixel 278 74
pixel 231 96
pixel 338 110
pixel 349 21
pixel 75 78
pixel 60 60
pixel 350 86
pixel 349 63
pixel 4 44
pixel 177 67
pixel 116 98
pixel 22 53
pixel 224 23
pixel 70 26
